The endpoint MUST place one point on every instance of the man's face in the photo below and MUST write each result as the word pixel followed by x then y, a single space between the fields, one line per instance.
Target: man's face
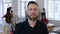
pixel 32 11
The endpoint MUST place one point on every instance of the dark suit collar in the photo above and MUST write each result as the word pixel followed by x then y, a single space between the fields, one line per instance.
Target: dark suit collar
pixel 27 20
pixel 27 24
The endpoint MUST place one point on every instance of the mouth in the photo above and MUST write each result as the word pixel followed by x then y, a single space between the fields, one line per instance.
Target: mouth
pixel 32 14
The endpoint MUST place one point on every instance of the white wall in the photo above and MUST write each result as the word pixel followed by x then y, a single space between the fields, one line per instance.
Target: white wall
pixel 40 3
pixel 1 14
pixel 15 6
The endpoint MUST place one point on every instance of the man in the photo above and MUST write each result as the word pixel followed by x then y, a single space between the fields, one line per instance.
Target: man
pixel 32 25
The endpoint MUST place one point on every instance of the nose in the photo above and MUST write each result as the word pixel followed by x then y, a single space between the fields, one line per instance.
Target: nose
pixel 33 10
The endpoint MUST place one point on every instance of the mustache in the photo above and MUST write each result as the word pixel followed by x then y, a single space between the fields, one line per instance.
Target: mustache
pixel 33 14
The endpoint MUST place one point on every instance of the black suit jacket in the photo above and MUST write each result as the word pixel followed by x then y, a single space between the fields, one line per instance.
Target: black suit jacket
pixel 23 28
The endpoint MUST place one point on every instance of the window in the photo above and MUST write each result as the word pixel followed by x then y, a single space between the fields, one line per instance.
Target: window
pixel 6 4
pixel 52 9
pixel 21 7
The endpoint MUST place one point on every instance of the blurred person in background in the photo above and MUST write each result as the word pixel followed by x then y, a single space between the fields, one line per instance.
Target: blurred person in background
pixel 8 18
pixel 43 13
pixel 44 19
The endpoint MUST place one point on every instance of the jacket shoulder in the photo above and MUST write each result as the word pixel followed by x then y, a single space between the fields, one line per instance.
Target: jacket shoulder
pixel 21 24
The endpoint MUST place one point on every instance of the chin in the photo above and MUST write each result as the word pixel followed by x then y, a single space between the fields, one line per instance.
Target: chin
pixel 33 18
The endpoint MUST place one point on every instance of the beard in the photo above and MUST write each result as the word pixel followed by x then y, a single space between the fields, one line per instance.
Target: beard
pixel 32 17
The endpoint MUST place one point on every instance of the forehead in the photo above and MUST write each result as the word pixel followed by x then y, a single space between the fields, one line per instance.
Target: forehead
pixel 32 6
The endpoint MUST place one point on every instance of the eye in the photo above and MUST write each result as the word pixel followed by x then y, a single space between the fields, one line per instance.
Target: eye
pixel 35 9
pixel 30 9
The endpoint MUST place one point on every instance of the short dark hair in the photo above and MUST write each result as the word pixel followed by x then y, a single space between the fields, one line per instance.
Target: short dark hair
pixel 32 2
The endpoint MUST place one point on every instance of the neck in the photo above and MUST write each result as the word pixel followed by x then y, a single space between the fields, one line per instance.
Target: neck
pixel 32 23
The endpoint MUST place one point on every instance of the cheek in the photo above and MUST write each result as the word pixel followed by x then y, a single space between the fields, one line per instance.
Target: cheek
pixel 37 13
pixel 28 12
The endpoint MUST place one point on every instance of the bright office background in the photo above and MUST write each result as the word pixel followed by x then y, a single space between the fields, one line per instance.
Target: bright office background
pixel 52 8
